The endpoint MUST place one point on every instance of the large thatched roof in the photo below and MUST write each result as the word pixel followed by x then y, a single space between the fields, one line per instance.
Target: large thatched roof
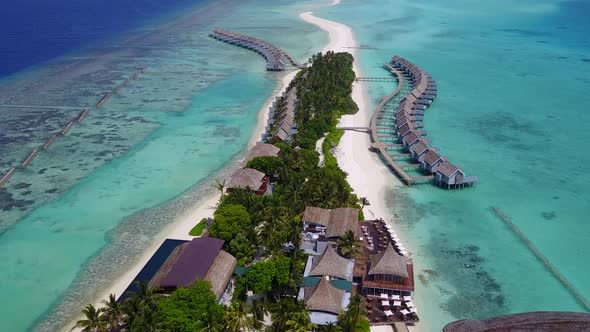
pixel 324 297
pixel 342 220
pixel 220 272
pixel 316 215
pixel 389 262
pixel 246 178
pixel 337 221
pixel 329 264
pixel 540 321
pixel 262 150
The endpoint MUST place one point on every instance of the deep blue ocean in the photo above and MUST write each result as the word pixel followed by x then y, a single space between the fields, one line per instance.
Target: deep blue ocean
pixel 34 31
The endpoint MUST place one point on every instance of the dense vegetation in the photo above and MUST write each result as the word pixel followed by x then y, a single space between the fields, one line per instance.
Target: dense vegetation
pixel 263 232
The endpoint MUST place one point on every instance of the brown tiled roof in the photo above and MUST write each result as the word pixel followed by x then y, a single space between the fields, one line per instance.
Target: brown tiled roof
pixel 447 169
pixel 329 264
pixel 431 157
pixel 410 138
pixel 419 147
pixel 246 178
pixel 324 297
pixel 389 262
pixel 540 321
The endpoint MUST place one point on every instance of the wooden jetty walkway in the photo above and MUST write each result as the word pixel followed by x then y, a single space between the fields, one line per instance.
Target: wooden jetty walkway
pixel 543 259
pixel 69 125
pixel 396 129
pixel 276 58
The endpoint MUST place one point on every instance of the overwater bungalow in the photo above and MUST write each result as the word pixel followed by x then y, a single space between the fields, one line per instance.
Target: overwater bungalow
pixel 200 259
pixel 410 139
pixel 418 150
pixel 448 175
pixel 431 161
pixel 329 224
pixel 248 178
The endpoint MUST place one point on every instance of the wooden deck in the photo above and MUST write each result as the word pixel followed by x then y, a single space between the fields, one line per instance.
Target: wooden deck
pixel 415 92
pixel 276 58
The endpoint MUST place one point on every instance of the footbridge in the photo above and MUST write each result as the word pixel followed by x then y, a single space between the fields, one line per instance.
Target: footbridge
pixel 276 58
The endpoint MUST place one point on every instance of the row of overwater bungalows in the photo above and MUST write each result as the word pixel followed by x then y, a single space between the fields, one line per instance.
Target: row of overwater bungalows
pixel 409 121
pixel 276 60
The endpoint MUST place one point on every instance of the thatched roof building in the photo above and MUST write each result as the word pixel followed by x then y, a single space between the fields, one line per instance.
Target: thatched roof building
pixel 540 321
pixel 199 259
pixel 329 264
pixel 336 222
pixel 324 297
pixel 248 178
pixel 261 150
pixel 389 262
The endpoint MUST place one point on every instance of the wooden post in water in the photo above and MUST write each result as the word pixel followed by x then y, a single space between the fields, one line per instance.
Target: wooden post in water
pixel 7 176
pixel 103 100
pixel 30 158
pixel 82 115
pixel 568 285
pixel 49 142
pixel 67 128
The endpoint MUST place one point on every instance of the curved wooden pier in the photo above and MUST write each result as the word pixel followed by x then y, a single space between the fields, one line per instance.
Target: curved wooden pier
pixel 396 129
pixel 276 58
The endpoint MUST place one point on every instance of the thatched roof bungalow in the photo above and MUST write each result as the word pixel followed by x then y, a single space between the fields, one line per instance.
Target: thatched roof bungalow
pixel 330 223
pixel 330 264
pixel 261 150
pixel 248 178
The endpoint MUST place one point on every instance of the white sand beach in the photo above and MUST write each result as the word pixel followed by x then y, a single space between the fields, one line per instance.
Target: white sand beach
pixel 367 174
pixel 204 208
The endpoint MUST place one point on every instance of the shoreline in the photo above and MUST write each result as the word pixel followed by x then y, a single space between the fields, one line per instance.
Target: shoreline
pixel 367 174
pixel 203 208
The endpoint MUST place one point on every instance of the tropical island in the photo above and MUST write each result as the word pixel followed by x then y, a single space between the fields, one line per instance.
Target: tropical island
pixel 265 232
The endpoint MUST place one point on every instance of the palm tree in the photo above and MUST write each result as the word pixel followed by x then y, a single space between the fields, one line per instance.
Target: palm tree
pixel 300 322
pixel 94 321
pixel 140 309
pixel 259 311
pixel 364 202
pixel 349 245
pixel 238 319
pixel 330 327
pixel 220 185
pixel 354 314
pixel 113 312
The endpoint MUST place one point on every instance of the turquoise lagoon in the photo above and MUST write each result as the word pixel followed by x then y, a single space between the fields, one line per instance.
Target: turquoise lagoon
pixel 81 213
pixel 511 108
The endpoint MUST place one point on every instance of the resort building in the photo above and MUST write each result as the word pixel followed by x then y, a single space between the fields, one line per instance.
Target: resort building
pixel 283 117
pixel 410 139
pixel 261 150
pixel 448 174
pixel 199 259
pixel 418 150
pixel 329 224
pixel 248 178
pixel 324 301
pixel 431 161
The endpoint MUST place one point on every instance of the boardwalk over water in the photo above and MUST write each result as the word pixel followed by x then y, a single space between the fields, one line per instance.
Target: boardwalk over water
pixel 396 129
pixel 276 58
